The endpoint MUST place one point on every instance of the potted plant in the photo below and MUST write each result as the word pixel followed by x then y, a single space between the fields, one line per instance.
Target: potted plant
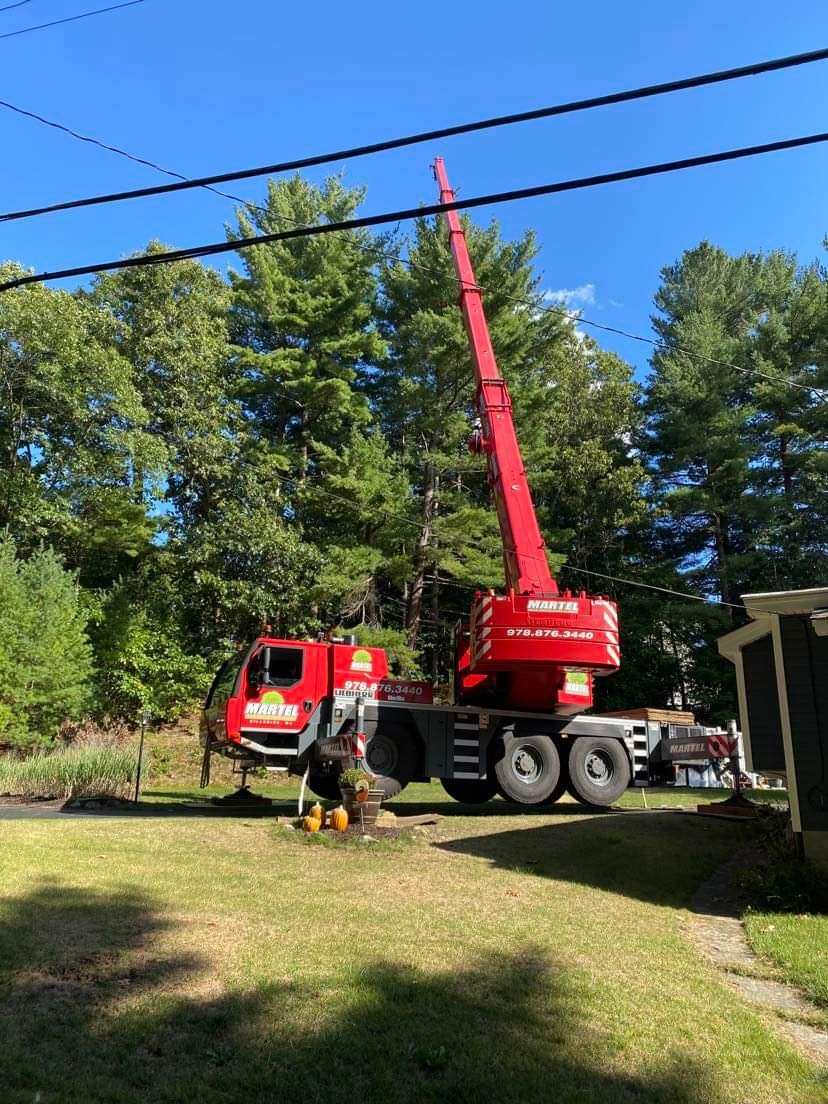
pixel 361 796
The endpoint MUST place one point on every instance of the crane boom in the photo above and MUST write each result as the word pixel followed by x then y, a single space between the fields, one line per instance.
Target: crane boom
pixel 524 553
pixel 533 647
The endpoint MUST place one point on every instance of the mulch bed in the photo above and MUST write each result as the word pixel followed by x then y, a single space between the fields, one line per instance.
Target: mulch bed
pixel 41 802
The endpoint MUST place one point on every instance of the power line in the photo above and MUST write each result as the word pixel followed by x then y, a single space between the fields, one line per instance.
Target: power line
pixel 408 214
pixel 774 64
pixel 297 485
pixel 68 19
pixel 386 254
pixel 676 349
pixel 625 582
pixel 19 4
pixel 92 141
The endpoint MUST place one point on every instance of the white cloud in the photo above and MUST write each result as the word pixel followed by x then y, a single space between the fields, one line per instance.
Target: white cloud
pixel 571 297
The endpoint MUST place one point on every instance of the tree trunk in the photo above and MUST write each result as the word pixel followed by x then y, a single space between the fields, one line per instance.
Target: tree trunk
pixel 784 462
pixel 303 450
pixel 722 554
pixel 415 597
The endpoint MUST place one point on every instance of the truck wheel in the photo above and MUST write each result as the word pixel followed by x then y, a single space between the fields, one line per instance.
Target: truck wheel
pixel 560 789
pixel 391 755
pixel 529 769
pixel 470 791
pixel 325 784
pixel 599 770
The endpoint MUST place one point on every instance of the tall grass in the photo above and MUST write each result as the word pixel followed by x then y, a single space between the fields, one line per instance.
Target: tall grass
pixel 70 772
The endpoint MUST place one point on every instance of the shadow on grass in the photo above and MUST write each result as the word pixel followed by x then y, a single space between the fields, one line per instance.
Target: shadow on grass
pixel 92 1009
pixel 660 858
pixel 448 807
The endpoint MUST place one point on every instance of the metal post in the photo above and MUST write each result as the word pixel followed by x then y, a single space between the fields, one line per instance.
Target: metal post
pixel 735 764
pixel 140 756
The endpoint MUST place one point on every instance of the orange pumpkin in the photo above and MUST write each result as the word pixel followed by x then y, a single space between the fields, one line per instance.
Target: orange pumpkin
pixel 318 812
pixel 311 824
pixel 338 819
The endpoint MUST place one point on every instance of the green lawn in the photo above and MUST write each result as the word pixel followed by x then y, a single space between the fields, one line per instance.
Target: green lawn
pixel 502 957
pixel 797 945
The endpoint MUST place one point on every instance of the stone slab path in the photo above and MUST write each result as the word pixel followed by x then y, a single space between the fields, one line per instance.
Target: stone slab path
pixel 715 926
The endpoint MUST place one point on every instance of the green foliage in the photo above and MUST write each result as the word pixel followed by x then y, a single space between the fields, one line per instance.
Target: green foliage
pixel 102 771
pixel 355 776
pixel 45 657
pixel 402 659
pixel 303 321
pixel 73 428
pixel 285 450
pixel 143 665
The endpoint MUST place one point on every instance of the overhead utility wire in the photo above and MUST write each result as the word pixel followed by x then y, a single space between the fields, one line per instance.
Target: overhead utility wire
pixel 19 4
pixel 624 582
pixel 672 348
pixel 431 135
pixel 380 252
pixel 410 213
pixel 69 18
pixel 297 485
pixel 92 141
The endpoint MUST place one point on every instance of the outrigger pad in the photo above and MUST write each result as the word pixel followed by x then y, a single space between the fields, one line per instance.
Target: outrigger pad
pixel 242 796
pixel 733 806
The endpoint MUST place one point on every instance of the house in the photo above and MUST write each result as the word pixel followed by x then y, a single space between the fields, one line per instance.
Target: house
pixel 781 660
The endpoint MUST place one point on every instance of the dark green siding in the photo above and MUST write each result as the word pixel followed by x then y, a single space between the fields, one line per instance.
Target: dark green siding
pixel 763 706
pixel 806 675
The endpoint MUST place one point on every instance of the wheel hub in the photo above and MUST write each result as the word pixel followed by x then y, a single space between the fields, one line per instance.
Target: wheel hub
pixel 599 768
pixel 527 765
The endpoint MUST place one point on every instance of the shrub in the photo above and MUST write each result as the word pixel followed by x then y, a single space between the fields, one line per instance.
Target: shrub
pixel 92 771
pixel 45 656
pixel 355 776
pixel 780 881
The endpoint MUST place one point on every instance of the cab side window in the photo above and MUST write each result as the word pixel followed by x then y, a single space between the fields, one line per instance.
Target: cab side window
pixel 284 666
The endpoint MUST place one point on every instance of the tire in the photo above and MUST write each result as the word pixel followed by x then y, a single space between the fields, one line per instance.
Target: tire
pixel 324 784
pixel 529 769
pixel 391 755
pixel 599 770
pixel 470 791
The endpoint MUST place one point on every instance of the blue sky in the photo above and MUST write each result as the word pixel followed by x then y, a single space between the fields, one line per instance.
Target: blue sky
pixel 204 86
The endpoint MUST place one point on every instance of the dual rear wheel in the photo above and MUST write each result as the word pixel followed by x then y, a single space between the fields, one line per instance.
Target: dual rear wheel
pixel 533 769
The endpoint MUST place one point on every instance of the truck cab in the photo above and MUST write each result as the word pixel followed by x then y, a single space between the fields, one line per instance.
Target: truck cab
pixel 292 704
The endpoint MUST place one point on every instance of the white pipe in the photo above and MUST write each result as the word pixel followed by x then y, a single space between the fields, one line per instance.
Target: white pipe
pixel 302 789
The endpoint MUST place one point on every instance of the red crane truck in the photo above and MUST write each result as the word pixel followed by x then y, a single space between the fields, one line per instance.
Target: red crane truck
pixel 525 661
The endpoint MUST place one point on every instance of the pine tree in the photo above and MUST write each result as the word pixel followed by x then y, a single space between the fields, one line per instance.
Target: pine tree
pixel 303 322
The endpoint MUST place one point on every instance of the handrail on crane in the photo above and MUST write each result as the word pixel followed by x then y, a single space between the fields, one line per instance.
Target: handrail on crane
pixel 524 553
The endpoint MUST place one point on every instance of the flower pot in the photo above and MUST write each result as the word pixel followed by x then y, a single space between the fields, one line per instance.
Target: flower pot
pixel 362 813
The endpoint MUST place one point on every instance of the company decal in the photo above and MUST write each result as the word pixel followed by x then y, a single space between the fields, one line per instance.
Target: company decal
pixel 384 691
pixel 271 707
pixel 361 660
pixel 552 605
pixel 576 683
